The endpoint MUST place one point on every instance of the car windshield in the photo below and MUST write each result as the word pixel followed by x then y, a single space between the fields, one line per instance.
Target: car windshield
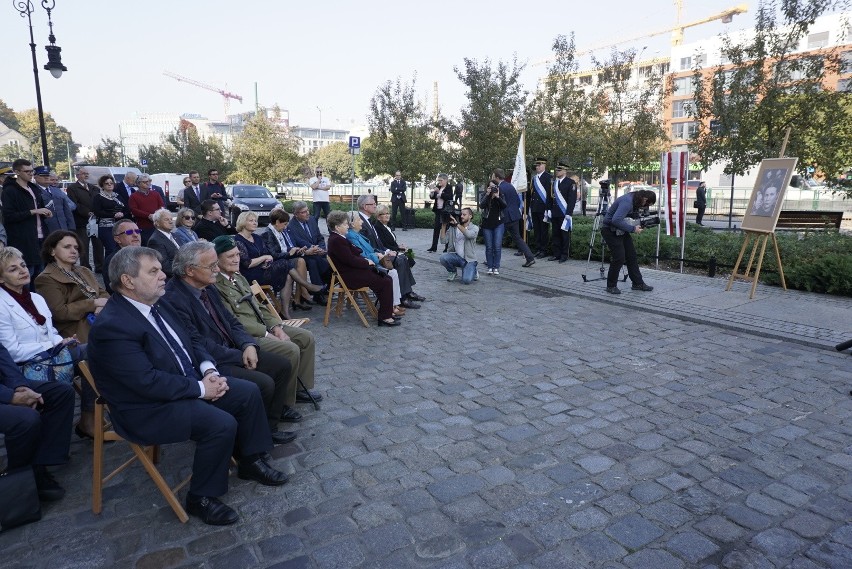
pixel 251 192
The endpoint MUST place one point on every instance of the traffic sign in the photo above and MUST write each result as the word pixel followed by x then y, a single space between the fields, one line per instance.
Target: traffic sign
pixel 143 161
pixel 354 142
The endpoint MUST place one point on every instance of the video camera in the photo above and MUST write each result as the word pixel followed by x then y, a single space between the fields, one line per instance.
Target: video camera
pixel 644 218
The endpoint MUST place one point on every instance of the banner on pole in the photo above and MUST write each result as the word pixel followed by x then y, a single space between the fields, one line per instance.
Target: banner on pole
pixel 519 174
pixel 674 170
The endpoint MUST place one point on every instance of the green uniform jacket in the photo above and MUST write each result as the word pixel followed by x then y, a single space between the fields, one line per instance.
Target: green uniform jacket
pixel 231 293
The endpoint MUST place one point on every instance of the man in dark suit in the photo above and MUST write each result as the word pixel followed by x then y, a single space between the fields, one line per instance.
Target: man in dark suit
pixel 214 190
pixel 303 231
pixel 539 202
pixel 126 187
pixel 81 193
pixel 35 417
pixel 397 190
pixel 192 194
pixel 163 387
pixel 564 200
pixel 193 296
pixel 162 240
pixel 211 224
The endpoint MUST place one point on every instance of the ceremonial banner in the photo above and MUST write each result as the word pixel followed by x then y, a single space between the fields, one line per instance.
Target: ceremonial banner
pixel 674 170
pixel 519 174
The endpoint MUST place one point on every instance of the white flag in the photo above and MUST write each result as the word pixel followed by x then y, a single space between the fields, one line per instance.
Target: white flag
pixel 519 174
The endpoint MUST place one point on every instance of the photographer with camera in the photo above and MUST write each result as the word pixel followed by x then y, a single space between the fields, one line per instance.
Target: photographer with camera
pixel 461 241
pixel 492 205
pixel 442 193
pixel 616 232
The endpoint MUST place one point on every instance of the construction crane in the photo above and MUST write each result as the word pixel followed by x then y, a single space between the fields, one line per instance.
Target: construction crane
pixel 226 95
pixel 726 16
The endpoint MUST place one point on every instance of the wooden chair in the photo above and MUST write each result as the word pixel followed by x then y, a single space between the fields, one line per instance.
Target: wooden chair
pixel 149 456
pixel 260 295
pixel 344 295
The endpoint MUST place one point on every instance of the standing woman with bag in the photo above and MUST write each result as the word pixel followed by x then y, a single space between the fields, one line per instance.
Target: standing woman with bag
pixel 74 298
pixel 108 208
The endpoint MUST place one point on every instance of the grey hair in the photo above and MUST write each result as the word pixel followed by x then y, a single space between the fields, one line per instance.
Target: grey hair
pixel 159 214
pixel 364 199
pixel 126 261
pixel 187 256
pixel 351 215
pixel 132 175
pixel 299 205
pixel 143 178
pixel 7 254
pixel 443 177
pixel 124 221
pixel 335 217
pixel 183 211
pixel 382 209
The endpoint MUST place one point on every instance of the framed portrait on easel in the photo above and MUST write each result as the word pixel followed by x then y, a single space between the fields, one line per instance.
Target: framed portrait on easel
pixel 772 181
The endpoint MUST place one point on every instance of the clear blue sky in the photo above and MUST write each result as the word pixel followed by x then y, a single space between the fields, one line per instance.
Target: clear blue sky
pixel 303 55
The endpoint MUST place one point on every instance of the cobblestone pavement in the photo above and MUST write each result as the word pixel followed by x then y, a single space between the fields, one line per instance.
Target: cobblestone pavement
pixel 517 423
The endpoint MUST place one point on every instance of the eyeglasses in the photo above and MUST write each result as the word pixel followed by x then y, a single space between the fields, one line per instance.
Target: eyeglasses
pixel 211 267
pixel 109 183
pixel 129 232
pixel 189 217
pixel 319 171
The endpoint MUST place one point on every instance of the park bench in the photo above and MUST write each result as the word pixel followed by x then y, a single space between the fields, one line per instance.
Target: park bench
pixel 809 220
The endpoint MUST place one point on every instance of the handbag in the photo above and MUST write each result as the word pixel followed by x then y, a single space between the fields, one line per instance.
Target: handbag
pixel 56 364
pixel 92 227
pixel 19 503
pixel 695 204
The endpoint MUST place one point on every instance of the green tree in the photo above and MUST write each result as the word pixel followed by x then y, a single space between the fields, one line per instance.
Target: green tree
pixel 183 151
pixel 767 87
pixel 402 135
pixel 487 134
pixel 107 153
pixel 631 134
pixel 335 160
pixel 264 151
pixel 57 136
pixel 7 116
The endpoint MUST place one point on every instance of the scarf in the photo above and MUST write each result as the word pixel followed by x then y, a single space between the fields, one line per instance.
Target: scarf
pixel 25 299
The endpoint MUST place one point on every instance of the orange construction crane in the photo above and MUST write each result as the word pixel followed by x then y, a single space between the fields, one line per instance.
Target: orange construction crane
pixel 225 94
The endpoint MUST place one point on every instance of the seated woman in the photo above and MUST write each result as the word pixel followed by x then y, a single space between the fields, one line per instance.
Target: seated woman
pixel 356 270
pixel 108 208
pixel 184 221
pixel 74 298
pixel 280 246
pixel 256 264
pixel 388 239
pixel 354 236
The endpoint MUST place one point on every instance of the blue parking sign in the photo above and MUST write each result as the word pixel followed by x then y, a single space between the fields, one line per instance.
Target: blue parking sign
pixel 354 142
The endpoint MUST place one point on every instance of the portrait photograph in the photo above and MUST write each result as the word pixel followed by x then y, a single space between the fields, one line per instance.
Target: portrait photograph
pixel 767 196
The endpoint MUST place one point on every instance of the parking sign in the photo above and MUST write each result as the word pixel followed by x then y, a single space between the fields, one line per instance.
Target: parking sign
pixel 354 142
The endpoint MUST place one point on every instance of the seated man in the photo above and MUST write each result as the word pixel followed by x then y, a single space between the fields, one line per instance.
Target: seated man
pixel 163 387
pixel 193 296
pixel 35 417
pixel 162 241
pixel 296 344
pixel 212 224
pixel 126 233
pixel 303 231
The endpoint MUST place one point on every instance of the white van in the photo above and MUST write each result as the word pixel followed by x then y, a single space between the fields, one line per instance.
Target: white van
pixel 117 172
pixel 171 184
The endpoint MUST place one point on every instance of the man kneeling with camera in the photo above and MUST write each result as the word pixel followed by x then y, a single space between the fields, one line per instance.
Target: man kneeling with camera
pixel 616 232
pixel 461 239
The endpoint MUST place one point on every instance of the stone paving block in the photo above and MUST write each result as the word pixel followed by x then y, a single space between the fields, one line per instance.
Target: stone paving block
pixel 674 482
pixel 497 475
pixel 382 540
pixel 518 433
pixel 598 548
pixel 666 513
pixel 339 555
pixel 634 531
pixel 326 529
pixel 747 517
pixel 767 505
pixel 595 464
pixel 778 543
pixel 280 546
pixel 521 546
pixel 494 556
pixel 691 546
pixel 831 554
pixel 468 508
pixel 655 558
pixel 588 518
pixel 720 529
pixel 648 492
pixel 455 487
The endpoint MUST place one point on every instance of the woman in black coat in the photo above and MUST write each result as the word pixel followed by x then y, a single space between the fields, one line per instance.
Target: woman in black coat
pixel 108 208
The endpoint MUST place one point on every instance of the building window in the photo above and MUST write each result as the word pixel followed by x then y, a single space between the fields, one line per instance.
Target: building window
pixel 586 80
pixel 681 109
pixel 846 62
pixel 701 60
pixel 844 85
pixel 685 63
pixel 818 40
pixel 684 130
pixel 683 86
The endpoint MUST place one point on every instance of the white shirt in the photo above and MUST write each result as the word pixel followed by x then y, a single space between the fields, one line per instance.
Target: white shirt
pixel 169 235
pixel 321 193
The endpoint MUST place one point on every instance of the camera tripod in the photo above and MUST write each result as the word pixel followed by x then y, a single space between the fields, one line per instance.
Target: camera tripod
pixel 603 206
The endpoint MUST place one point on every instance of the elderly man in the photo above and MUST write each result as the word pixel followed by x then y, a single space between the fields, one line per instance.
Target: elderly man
pixel 164 387
pixel 162 240
pixel 126 233
pixel 212 224
pixel 296 344
pixel 81 193
pixel 143 203
pixel 303 231
pixel 126 187
pixel 193 296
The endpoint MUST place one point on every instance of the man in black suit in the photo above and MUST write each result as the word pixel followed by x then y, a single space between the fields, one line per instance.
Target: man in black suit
pixel 304 231
pixel 163 387
pixel 192 194
pixel 35 417
pixel 564 200
pixel 539 202
pixel 193 296
pixel 82 193
pixel 162 240
pixel 214 190
pixel 126 187
pixel 397 190
pixel 211 224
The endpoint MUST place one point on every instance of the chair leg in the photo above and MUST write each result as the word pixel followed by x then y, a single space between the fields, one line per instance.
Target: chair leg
pixel 98 462
pixel 161 483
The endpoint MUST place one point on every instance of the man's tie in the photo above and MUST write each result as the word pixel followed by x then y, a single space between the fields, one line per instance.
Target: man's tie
pixel 205 300
pixel 308 231
pixel 197 195
pixel 286 241
pixel 178 350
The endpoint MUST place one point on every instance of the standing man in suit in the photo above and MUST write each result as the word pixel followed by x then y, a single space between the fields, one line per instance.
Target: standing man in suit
pixel 126 187
pixel 192 193
pixel 564 200
pixel 303 231
pixel 397 190
pixel 162 241
pixel 320 187
pixel 540 201
pixel 163 387
pixel 512 213
pixel 81 193
pixel 55 200
pixel 213 189
pixel 193 296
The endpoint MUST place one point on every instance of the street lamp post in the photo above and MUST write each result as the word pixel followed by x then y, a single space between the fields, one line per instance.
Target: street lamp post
pixel 54 61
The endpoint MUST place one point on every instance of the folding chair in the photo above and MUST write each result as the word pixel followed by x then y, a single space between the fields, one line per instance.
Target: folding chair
pixel 344 295
pixel 147 455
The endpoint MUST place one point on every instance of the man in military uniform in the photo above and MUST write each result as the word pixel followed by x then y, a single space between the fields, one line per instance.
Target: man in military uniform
pixel 564 199
pixel 540 201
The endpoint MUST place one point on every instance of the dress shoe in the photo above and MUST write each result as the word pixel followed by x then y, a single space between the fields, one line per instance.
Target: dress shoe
pixel 321 299
pixel 283 437
pixel 642 287
pixel 613 290
pixel 431 250
pixel 308 301
pixel 290 415
pixel 563 259
pixel 540 255
pixel 304 307
pixel 416 297
pixel 553 258
pixel 529 263
pixel 410 304
pixel 302 396
pixel 210 510
pixel 386 323
pixel 261 473
pixel 518 253
pixel 48 488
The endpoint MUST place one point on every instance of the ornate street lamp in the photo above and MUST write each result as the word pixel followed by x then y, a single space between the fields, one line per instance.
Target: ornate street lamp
pixel 54 61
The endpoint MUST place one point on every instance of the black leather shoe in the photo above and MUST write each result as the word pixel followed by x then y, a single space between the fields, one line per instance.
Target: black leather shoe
pixel 563 259
pixel 540 255
pixel 321 299
pixel 211 510
pixel 416 297
pixel 642 287
pixel 304 307
pixel 613 290
pixel 529 263
pixel 283 437
pixel 518 253
pixel 261 473
pixel 302 396
pixel 394 323
pixel 290 415
pixel 553 258
pixel 431 250
pixel 410 304
pixel 48 488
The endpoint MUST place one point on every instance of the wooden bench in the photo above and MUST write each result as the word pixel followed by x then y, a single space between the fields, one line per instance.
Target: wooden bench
pixel 340 198
pixel 809 220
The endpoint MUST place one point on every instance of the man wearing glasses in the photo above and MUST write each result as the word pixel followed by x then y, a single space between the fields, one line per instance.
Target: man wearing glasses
pixel 24 215
pixel 212 224
pixel 320 186
pixel 82 193
pixel 214 190
pixel 126 233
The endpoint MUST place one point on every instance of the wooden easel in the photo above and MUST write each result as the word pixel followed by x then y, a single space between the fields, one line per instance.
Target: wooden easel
pixel 759 240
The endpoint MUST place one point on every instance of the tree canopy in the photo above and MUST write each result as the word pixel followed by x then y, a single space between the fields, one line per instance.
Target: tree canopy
pixel 183 150
pixel 265 151
pixel 335 160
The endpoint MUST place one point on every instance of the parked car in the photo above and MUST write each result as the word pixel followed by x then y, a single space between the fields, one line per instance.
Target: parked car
pixel 172 184
pixel 246 197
